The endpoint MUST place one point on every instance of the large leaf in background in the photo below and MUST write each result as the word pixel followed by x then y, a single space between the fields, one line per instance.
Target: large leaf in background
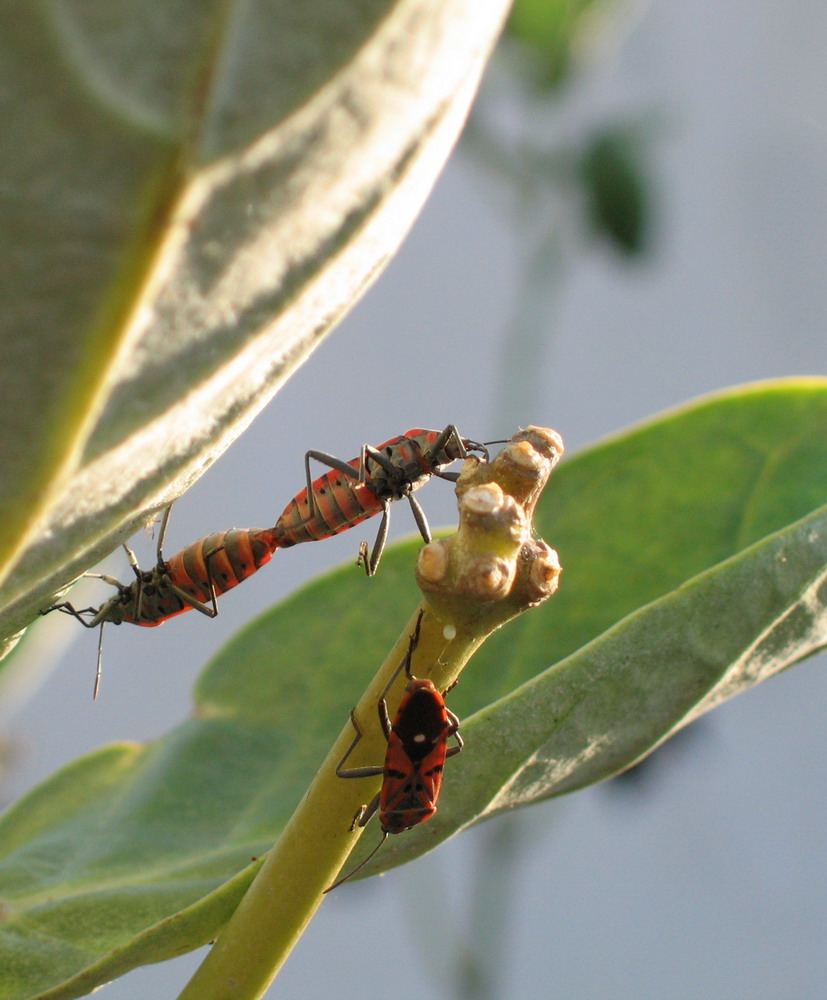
pixel 636 515
pixel 675 594
pixel 192 194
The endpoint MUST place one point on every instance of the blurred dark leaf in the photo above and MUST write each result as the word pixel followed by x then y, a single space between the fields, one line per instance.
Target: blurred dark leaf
pixel 616 189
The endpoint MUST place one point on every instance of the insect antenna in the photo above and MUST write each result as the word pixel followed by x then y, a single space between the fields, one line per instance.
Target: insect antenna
pixel 100 663
pixel 482 446
pixel 359 867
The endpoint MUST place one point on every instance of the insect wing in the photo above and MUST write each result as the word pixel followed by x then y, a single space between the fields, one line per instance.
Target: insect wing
pixel 415 759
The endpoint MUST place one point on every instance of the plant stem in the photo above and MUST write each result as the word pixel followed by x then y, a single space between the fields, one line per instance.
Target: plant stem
pixel 316 841
pixel 487 573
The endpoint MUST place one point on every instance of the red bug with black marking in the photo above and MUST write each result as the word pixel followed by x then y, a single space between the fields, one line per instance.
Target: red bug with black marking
pixel 365 486
pixel 194 578
pixel 417 749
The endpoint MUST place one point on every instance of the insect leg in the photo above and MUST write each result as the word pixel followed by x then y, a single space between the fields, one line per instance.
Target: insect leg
pixel 405 665
pixel 362 865
pixel 70 609
pixel 356 772
pixel 107 579
pixel 193 602
pixel 449 434
pixel 363 813
pixel 384 722
pixel 381 459
pixel 413 642
pixel 331 462
pixel 139 581
pixel 99 665
pixel 370 562
pixel 159 562
pixel 419 517
pixel 210 580
pixel 453 730
pixel 162 534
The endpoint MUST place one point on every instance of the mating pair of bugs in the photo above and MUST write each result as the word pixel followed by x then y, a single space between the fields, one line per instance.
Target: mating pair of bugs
pixel 350 493
pixel 417 738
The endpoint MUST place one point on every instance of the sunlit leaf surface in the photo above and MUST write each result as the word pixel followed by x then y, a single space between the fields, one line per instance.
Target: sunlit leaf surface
pixel 191 193
pixel 694 552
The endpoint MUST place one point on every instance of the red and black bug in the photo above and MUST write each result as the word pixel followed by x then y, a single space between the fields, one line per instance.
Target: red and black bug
pixel 417 748
pixel 354 491
pixel 193 578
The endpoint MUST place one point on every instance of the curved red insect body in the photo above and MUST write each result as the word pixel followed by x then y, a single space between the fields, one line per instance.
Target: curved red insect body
pixel 356 490
pixel 417 749
pixel 192 579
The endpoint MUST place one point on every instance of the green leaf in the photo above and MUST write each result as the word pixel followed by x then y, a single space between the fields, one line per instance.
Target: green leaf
pixel 98 859
pixel 193 193
pixel 616 189
pixel 608 705
pixel 694 559
pixel 634 519
pixel 554 32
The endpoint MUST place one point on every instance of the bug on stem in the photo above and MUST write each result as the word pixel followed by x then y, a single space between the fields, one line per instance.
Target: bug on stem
pixel 417 741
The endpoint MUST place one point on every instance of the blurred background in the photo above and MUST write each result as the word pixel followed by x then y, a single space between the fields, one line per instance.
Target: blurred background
pixel 629 224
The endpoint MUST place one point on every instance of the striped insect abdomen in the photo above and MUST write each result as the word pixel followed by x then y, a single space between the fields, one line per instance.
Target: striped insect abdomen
pixel 233 556
pixel 340 502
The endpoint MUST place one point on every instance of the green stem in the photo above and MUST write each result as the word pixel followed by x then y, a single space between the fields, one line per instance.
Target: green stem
pixel 316 841
pixel 487 573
